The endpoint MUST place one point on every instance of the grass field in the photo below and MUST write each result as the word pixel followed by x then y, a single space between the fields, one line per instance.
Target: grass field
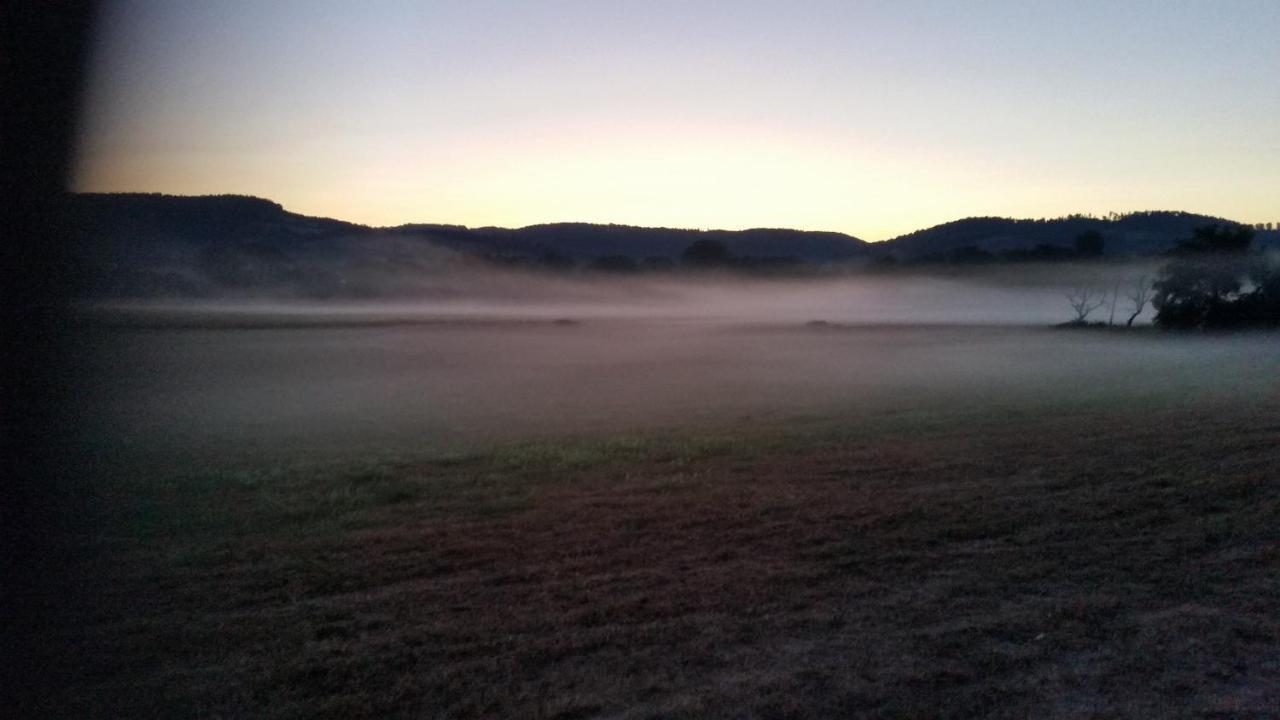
pixel 530 521
pixel 1092 562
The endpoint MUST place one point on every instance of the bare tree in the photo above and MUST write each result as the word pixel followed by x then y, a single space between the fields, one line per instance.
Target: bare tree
pixel 1115 297
pixel 1139 294
pixel 1084 301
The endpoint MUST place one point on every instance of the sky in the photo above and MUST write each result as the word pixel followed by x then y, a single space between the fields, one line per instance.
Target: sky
pixel 870 118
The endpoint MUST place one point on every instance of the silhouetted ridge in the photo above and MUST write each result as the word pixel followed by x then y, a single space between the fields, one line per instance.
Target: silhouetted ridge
pixel 1139 233
pixel 149 244
pixel 583 242
pixel 205 218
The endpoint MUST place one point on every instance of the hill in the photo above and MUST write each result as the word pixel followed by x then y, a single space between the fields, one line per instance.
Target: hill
pixel 153 244
pixel 147 245
pixel 1140 233
pixel 223 219
pixel 585 241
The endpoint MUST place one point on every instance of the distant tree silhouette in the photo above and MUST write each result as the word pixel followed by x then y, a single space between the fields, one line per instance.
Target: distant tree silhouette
pixel 1111 303
pixel 1090 244
pixel 1262 306
pixel 1201 286
pixel 1221 239
pixel 1084 301
pixel 1139 295
pixel 707 253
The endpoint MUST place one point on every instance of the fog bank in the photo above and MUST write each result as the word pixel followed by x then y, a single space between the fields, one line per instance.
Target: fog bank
pixel 1022 295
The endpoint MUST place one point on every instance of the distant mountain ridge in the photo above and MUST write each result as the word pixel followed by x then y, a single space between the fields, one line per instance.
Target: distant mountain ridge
pixel 151 244
pixel 222 218
pixel 1139 233
pixel 587 241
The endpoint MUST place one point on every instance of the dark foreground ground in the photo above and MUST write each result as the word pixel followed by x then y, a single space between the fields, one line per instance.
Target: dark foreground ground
pixel 1088 561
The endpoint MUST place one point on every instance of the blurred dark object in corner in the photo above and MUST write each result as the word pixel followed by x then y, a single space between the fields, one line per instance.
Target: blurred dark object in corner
pixel 43 51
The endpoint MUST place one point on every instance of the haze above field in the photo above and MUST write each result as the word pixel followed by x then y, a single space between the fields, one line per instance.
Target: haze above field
pixel 872 119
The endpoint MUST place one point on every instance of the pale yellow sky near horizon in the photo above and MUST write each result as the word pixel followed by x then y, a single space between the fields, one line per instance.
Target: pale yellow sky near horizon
pixel 873 120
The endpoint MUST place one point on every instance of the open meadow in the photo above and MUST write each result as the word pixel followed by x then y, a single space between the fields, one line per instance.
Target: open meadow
pixel 640 360
pixel 496 518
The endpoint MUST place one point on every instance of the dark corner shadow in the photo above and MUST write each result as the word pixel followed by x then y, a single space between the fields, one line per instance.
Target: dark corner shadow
pixel 45 48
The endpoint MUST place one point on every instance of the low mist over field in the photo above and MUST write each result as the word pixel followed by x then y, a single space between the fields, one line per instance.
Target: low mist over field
pixel 1030 295
pixel 360 389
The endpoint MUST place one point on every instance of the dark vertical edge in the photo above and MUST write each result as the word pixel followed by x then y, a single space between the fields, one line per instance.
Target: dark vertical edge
pixel 44 48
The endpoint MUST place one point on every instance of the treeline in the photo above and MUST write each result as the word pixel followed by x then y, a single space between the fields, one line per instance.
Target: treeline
pixel 995 240
pixel 1089 245
pixel 700 255
pixel 713 254
pixel 1214 280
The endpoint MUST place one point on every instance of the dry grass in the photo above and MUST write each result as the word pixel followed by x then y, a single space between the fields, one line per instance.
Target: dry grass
pixel 1081 564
